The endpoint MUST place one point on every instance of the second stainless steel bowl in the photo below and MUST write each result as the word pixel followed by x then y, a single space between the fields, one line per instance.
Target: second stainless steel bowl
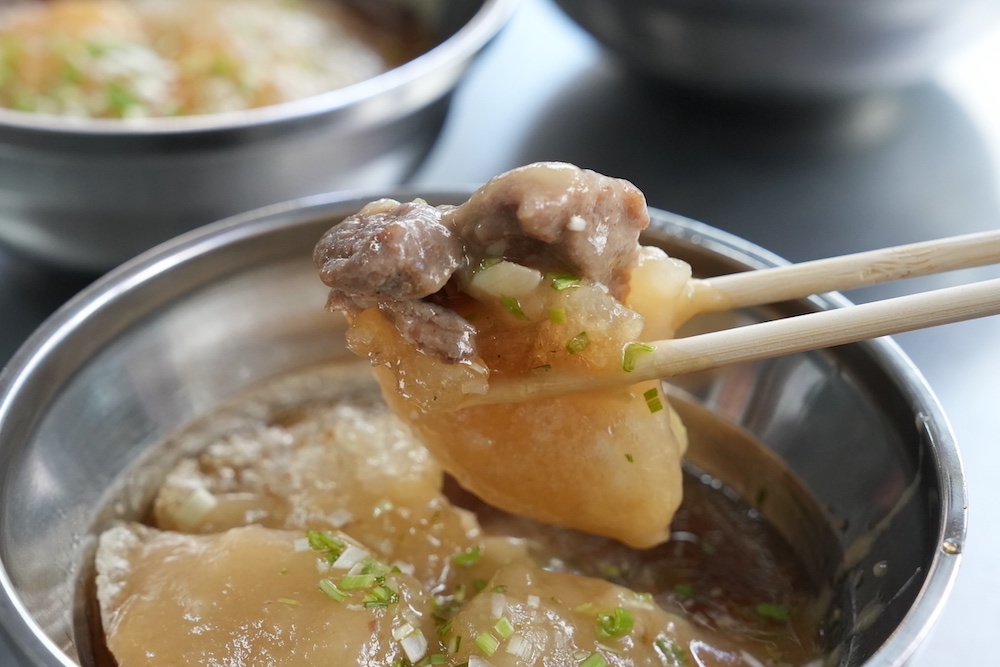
pixel 90 193
pixel 784 48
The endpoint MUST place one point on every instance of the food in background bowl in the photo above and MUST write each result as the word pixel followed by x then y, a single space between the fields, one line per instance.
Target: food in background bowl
pixel 785 49
pixel 136 58
pixel 125 184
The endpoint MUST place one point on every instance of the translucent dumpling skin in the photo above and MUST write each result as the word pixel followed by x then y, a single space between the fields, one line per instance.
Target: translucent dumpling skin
pixel 598 462
pixel 553 280
pixel 249 596
pixel 601 462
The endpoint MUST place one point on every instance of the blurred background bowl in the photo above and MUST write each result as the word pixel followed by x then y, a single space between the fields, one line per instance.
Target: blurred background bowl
pixel 89 193
pixel 174 332
pixel 784 48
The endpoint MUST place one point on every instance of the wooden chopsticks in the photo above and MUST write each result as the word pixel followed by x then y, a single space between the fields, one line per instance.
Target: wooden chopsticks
pixel 800 333
pixel 796 281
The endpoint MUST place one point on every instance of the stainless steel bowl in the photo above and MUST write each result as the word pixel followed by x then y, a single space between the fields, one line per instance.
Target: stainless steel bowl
pixel 172 333
pixel 90 193
pixel 785 48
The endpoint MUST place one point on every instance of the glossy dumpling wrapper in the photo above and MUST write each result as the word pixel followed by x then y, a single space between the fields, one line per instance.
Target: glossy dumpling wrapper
pixel 251 596
pixel 553 279
pixel 351 466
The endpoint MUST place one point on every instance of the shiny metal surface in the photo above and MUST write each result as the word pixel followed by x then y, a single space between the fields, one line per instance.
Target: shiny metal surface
pixel 784 47
pixel 90 193
pixel 167 336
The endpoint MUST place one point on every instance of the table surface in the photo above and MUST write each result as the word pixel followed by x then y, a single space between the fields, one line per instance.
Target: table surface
pixel 893 168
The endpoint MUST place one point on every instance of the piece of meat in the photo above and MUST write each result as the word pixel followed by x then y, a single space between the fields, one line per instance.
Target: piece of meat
pixel 433 329
pixel 387 252
pixel 556 216
pixel 550 216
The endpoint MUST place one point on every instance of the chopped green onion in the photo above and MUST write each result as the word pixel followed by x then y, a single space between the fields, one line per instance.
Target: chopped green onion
pixel 615 623
pixel 557 315
pixel 288 601
pixel 70 74
pixel 351 556
pixel 499 588
pixel 355 581
pixel 684 591
pixel 195 507
pixel 504 627
pixel 469 557
pixel 98 49
pixel 223 66
pixel 438 659
pixel 330 547
pixel 578 343
pixel 653 400
pixel 671 651
pixel 594 660
pixel 513 306
pixel 479 585
pixel 563 281
pixel 628 457
pixel 498 604
pixel 443 626
pixel 631 353
pixel 414 645
pixel 443 604
pixel 456 643
pixel 119 99
pixel 609 649
pixel 332 591
pixel 521 647
pixel 644 597
pixel 372 566
pixel 487 643
pixel 772 611
pixel 380 596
